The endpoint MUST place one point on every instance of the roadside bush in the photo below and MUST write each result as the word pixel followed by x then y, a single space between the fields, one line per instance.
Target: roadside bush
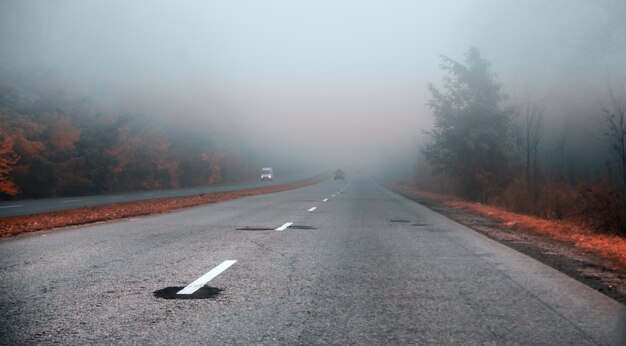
pixel 516 197
pixel 602 206
pixel 557 200
pixel 596 204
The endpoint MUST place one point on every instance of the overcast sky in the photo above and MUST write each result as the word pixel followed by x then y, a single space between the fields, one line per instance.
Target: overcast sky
pixel 334 79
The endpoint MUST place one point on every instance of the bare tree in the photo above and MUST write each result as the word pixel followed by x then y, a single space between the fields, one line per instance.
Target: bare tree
pixel 613 118
pixel 528 133
pixel 532 134
pixel 559 154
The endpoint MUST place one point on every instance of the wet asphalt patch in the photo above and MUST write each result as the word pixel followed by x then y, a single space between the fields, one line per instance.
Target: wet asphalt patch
pixel 301 227
pixel 255 228
pixel 205 292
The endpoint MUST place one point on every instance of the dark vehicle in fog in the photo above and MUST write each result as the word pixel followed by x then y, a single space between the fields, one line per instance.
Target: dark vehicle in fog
pixel 339 175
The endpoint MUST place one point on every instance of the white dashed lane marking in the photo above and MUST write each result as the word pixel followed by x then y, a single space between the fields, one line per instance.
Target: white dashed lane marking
pixel 325 200
pixel 284 227
pixel 312 209
pixel 201 281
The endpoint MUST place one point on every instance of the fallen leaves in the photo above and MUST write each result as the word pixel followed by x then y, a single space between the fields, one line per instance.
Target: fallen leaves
pixel 610 247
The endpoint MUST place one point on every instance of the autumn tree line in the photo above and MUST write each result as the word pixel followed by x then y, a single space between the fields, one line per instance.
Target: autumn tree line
pixel 53 144
pixel 483 148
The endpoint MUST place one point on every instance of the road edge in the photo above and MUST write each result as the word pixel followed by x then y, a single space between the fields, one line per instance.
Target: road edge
pixel 587 268
pixel 15 225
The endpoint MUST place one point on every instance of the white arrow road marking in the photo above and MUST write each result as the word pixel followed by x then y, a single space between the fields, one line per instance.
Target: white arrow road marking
pixel 284 227
pixel 201 281
pixel 312 209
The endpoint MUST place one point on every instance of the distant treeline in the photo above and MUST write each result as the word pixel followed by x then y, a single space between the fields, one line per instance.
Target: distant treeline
pixel 53 144
pixel 483 150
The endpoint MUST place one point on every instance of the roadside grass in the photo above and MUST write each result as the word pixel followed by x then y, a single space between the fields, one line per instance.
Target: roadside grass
pixel 610 247
pixel 14 225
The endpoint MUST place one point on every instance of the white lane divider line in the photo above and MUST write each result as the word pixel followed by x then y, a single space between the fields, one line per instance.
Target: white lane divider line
pixel 72 200
pixel 201 281
pixel 12 206
pixel 312 209
pixel 284 227
pixel 325 200
pixel 332 196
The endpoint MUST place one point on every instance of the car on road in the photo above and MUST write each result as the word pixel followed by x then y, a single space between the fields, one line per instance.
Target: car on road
pixel 267 173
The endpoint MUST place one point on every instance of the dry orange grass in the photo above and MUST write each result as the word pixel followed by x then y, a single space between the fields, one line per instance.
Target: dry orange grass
pixel 10 226
pixel 610 247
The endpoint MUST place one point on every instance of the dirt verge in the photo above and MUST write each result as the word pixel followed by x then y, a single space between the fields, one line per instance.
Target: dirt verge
pixel 14 225
pixel 587 261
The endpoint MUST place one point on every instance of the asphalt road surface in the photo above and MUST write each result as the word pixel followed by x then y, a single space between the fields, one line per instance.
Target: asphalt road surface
pixel 357 265
pixel 36 206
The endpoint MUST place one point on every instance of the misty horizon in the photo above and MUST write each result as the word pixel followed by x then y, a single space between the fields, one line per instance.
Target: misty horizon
pixel 339 83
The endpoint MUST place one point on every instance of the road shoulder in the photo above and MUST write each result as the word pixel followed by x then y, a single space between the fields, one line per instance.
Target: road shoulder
pixel 594 271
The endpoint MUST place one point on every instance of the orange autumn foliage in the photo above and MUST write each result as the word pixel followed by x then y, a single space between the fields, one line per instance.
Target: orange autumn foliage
pixel 22 131
pixel 63 134
pixel 8 159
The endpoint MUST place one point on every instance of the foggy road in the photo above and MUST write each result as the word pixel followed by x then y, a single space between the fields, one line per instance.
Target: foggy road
pixel 35 206
pixel 337 262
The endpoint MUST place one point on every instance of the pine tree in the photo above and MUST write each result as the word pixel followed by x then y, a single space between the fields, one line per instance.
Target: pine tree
pixel 469 141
